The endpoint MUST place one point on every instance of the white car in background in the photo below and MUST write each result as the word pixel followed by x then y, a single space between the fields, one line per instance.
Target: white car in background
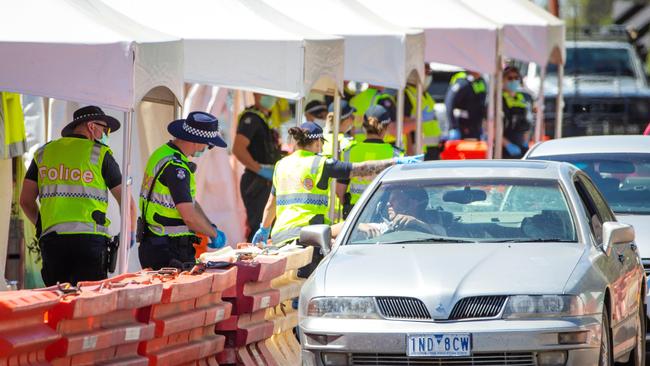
pixel 620 167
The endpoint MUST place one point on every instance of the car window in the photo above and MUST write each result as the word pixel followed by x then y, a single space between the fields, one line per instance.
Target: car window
pixel 604 213
pixel 602 61
pixel 623 179
pixel 594 220
pixel 499 210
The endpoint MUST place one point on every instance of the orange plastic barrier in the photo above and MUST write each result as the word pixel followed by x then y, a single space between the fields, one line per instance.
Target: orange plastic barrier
pixel 23 333
pixel 185 318
pixel 99 322
pixel 462 149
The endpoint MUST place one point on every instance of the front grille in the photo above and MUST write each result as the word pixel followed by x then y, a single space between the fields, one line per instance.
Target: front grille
pixel 478 307
pixel 402 308
pixel 482 359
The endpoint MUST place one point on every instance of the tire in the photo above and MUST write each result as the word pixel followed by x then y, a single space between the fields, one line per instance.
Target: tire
pixel 606 357
pixel 637 355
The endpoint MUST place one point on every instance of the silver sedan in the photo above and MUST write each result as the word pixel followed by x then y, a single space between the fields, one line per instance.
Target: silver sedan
pixel 476 263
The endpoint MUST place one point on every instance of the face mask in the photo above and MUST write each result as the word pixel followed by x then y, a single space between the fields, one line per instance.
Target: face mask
pixel 319 121
pixel 513 85
pixel 199 153
pixel 103 139
pixel 267 101
pixel 427 81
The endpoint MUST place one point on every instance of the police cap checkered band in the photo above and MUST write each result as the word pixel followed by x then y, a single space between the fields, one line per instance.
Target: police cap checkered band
pixel 314 136
pixel 200 133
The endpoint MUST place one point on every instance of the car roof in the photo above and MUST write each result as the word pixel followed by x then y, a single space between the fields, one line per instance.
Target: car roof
pixel 469 169
pixel 592 145
pixel 598 44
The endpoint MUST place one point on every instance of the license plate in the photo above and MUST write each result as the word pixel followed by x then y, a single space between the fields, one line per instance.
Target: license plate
pixel 439 344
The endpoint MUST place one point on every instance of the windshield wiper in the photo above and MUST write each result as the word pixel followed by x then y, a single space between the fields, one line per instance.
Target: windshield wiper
pixel 541 240
pixel 431 239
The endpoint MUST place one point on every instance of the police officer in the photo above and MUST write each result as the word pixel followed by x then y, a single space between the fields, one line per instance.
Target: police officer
pixel 465 103
pixel 517 111
pixel 257 147
pixel 71 177
pixel 301 185
pixel 375 123
pixel 316 111
pixel 170 212
pixel 346 122
pixel 430 127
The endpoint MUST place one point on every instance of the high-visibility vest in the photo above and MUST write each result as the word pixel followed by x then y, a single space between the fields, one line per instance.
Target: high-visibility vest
pixel 280 113
pixel 478 85
pixel 71 189
pixel 161 202
pixel 516 101
pixel 298 199
pixel 369 98
pixel 12 131
pixel 362 101
pixel 366 151
pixel 430 126
pixel 345 143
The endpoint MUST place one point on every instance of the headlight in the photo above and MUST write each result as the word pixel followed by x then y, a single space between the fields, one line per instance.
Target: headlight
pixel 343 307
pixel 542 306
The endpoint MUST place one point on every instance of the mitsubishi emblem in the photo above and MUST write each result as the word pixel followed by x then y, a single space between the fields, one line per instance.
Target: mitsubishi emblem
pixel 440 308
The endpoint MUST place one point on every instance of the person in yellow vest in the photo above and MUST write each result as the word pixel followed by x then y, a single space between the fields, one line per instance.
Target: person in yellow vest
pixel 71 178
pixel 517 112
pixel 346 122
pixel 466 105
pixel 171 215
pixel 257 147
pixel 430 127
pixel 300 194
pixel 375 122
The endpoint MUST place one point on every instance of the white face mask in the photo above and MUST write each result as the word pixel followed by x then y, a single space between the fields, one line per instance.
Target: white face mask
pixel 427 81
pixel 200 152
pixel 319 121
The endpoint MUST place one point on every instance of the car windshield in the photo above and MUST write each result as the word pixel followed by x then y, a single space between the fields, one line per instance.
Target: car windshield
pixel 465 211
pixel 624 179
pixel 596 61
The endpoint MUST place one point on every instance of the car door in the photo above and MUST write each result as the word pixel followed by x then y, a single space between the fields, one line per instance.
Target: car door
pixel 623 264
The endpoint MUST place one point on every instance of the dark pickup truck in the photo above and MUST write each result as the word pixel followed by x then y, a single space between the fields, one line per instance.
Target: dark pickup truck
pixel 605 90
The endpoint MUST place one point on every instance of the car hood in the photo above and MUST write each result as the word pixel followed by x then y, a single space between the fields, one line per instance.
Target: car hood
pixel 440 274
pixel 590 85
pixel 641 225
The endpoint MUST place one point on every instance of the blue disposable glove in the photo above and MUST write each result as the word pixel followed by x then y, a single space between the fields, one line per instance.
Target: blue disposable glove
pixel 218 241
pixel 409 159
pixel 261 235
pixel 266 171
pixel 454 134
pixel 513 149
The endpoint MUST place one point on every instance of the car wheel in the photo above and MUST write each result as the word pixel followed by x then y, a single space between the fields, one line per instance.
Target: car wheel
pixel 606 357
pixel 637 356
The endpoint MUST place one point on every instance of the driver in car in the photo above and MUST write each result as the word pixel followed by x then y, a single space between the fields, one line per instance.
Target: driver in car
pixel 406 210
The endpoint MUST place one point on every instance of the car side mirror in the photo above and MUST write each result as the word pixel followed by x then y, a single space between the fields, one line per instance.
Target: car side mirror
pixel 318 236
pixel 616 233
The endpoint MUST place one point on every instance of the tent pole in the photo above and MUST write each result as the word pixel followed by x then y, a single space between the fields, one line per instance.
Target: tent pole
pixel 418 120
pixel 299 110
pixel 491 113
pixel 559 103
pixel 540 106
pixel 123 251
pixel 335 151
pixel 400 118
pixel 498 113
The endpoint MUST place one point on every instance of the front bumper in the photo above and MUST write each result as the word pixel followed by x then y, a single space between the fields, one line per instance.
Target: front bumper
pixel 388 337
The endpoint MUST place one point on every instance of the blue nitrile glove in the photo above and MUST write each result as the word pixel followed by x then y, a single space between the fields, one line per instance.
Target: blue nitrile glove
pixel 132 240
pixel 218 241
pixel 454 134
pixel 409 159
pixel 266 171
pixel 261 235
pixel 513 149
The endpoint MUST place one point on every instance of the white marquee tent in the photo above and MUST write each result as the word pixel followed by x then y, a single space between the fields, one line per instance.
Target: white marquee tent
pixel 529 34
pixel 454 35
pixel 83 51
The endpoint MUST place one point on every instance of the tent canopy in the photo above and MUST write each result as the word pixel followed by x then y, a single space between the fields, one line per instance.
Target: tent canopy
pixel 376 51
pixel 89 54
pixel 235 44
pixel 454 34
pixel 529 32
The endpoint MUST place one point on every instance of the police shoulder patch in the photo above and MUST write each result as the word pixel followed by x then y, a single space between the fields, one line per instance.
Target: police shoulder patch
pixel 180 173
